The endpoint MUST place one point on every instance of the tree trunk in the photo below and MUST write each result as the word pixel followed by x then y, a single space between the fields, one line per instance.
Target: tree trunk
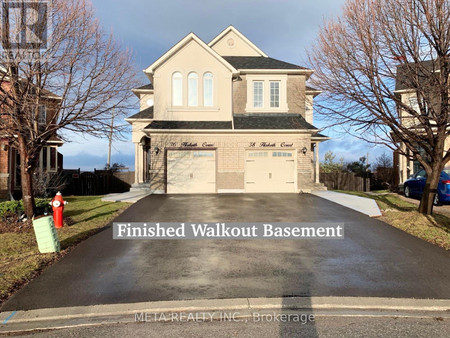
pixel 27 181
pixel 430 190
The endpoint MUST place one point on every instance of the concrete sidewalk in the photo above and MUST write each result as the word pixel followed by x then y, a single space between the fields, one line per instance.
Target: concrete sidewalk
pixel 364 205
pixel 57 318
pixel 127 197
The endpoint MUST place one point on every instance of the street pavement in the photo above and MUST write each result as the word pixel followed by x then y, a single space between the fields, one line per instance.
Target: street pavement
pixel 374 259
pixel 321 327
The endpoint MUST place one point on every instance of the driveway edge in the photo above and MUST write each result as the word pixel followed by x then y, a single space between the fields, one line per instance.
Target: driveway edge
pixel 304 303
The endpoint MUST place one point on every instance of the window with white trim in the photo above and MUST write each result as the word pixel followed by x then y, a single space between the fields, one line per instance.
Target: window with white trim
pixel 177 89
pixel 192 89
pixel 42 115
pixel 49 158
pixel 258 94
pixel 208 100
pixel 274 94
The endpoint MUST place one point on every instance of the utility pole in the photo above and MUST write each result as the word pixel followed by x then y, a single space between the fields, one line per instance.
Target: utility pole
pixel 110 137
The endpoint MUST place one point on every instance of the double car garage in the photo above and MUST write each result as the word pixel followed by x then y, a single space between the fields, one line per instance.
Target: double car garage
pixel 265 171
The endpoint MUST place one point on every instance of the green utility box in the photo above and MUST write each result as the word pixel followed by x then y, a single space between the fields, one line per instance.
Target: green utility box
pixel 46 235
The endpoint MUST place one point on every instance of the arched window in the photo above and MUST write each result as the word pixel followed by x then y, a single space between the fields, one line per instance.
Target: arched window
pixel 208 100
pixel 177 89
pixel 193 89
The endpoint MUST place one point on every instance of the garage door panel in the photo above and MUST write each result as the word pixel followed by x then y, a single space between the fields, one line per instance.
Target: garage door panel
pixel 270 171
pixel 190 171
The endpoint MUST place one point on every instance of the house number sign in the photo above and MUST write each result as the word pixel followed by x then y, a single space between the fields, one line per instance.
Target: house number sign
pixel 191 144
pixel 270 144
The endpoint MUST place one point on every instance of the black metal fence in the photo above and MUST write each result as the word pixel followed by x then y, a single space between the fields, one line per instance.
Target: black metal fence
pixel 98 182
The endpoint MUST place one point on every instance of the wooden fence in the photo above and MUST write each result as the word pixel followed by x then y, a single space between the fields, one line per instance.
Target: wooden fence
pixel 98 182
pixel 344 181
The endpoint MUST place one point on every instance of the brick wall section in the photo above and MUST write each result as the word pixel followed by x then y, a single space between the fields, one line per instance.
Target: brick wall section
pixel 230 155
pixel 296 94
pixel 240 95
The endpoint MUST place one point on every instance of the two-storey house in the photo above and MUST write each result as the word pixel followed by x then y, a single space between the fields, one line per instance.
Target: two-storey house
pixel 404 165
pixel 224 117
pixel 50 160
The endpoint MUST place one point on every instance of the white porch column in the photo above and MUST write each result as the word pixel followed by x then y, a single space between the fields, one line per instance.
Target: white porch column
pixel 136 163
pixel 317 162
pixel 140 163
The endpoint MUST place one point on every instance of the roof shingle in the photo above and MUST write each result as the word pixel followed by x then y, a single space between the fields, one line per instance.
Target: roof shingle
pixel 147 86
pixel 271 121
pixel 147 113
pixel 259 62
pixel 189 125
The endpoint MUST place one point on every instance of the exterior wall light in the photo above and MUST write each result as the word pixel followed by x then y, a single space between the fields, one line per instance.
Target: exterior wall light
pixel 304 150
pixel 157 150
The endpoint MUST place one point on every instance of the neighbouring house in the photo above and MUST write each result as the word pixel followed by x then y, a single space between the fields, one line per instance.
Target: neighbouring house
pixel 404 165
pixel 50 160
pixel 224 117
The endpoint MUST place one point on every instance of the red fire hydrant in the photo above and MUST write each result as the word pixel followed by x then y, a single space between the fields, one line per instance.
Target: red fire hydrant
pixel 58 204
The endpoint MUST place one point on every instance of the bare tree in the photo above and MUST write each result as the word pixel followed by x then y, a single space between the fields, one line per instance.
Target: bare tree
pixel 383 161
pixel 357 57
pixel 81 75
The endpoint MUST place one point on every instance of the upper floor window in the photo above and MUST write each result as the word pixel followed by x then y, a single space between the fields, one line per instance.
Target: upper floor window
pixel 258 94
pixel 414 103
pixel 274 94
pixel 177 89
pixel 193 89
pixel 208 90
pixel 42 115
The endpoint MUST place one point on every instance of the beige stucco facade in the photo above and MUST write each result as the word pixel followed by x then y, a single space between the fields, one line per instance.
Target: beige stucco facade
pixel 241 146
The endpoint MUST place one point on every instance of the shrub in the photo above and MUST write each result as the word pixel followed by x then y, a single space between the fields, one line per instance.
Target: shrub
pixel 16 207
pixel 10 207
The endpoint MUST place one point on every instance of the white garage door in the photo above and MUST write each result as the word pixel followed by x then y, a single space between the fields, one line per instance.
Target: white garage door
pixel 191 171
pixel 270 171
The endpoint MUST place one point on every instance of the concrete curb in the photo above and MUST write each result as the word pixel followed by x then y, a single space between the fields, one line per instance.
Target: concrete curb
pixel 303 303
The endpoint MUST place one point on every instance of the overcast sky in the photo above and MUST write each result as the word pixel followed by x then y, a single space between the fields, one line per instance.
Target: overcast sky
pixel 283 29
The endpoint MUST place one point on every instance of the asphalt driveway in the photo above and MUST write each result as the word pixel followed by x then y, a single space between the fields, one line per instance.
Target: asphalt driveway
pixel 374 259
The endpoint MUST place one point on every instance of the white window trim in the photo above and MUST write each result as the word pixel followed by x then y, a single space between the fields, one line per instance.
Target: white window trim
pixel 39 115
pixel 41 162
pixel 200 107
pixel 189 88
pixel 279 93
pixel 282 78
pixel 253 94
pixel 172 97
pixel 212 89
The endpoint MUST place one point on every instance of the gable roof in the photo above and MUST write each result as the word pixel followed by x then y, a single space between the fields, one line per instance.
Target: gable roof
pixel 188 38
pixel 259 62
pixel 230 28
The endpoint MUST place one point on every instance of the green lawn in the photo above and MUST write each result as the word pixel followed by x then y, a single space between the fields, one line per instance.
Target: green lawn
pixel 20 259
pixel 403 215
